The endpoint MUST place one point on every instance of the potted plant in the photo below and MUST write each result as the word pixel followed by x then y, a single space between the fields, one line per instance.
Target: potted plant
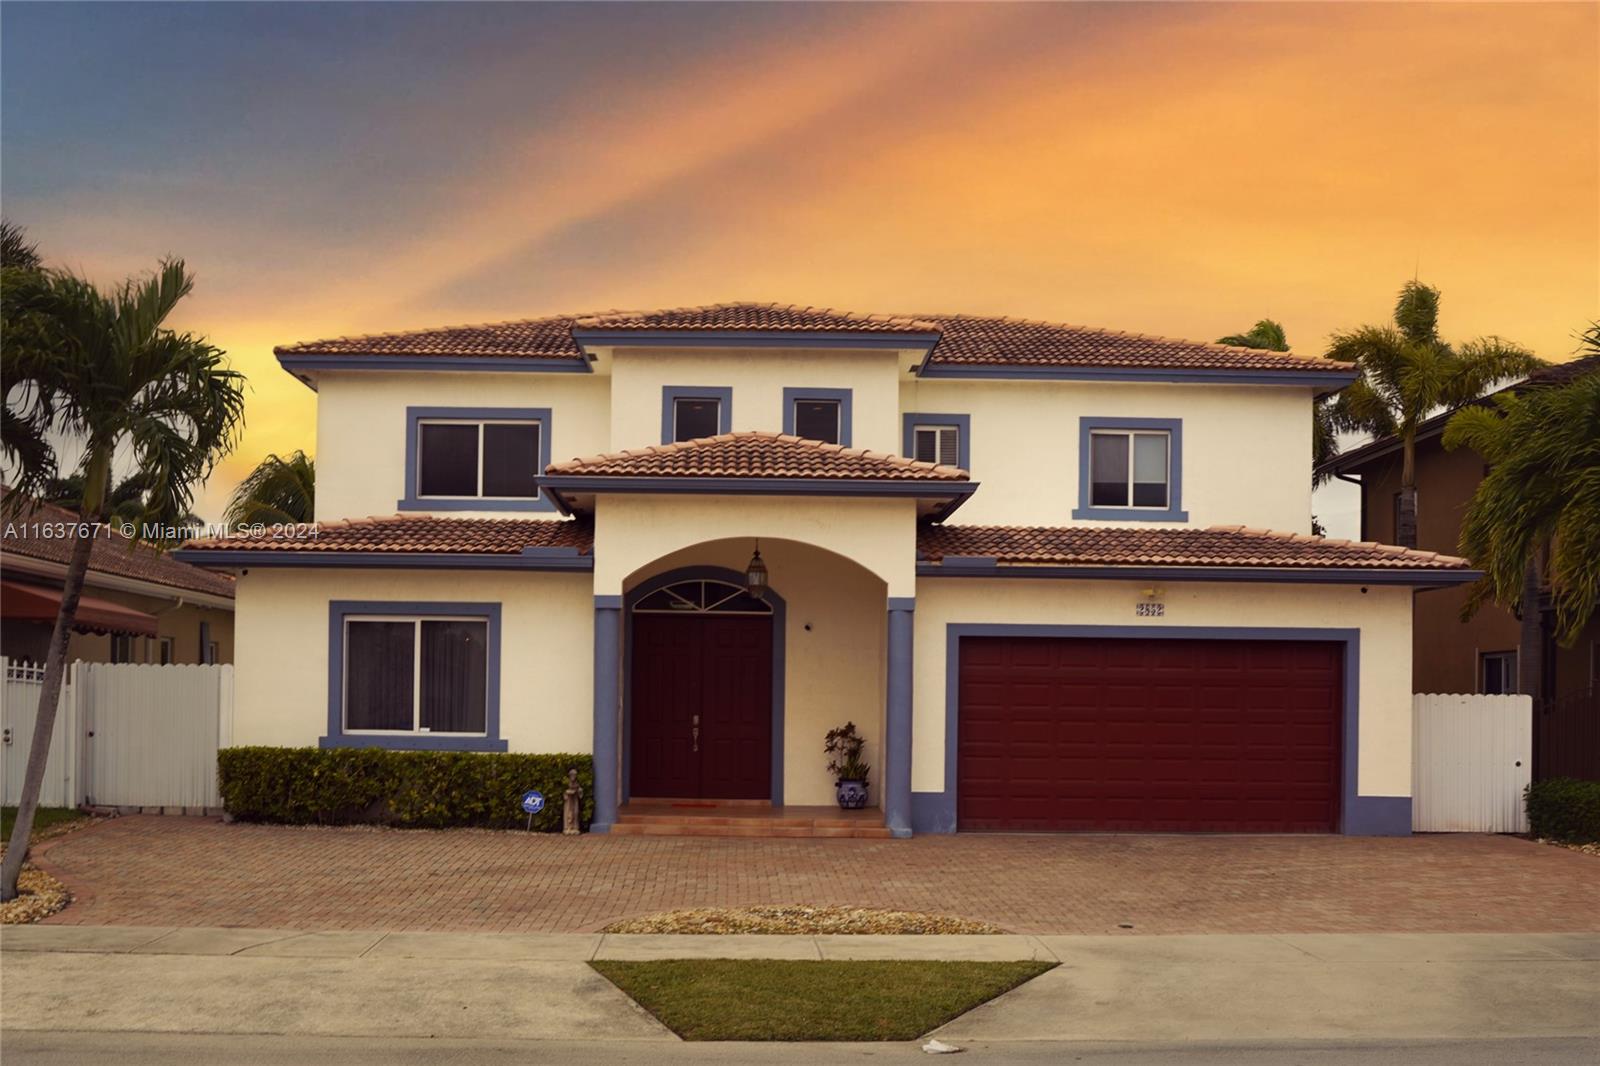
pixel 843 747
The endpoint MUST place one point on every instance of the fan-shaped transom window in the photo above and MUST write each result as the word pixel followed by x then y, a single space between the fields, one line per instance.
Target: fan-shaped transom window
pixel 702 596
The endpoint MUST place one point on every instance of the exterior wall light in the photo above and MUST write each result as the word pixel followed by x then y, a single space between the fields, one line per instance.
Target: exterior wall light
pixel 755 575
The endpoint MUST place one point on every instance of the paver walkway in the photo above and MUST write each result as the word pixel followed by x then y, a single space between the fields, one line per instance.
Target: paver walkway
pixel 149 870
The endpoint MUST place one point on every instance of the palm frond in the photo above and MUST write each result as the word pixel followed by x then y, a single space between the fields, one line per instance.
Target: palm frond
pixel 1416 312
pixel 280 490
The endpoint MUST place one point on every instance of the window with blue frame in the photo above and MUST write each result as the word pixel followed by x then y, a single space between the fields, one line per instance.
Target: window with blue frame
pixel 469 458
pixel 1130 469
pixel 414 675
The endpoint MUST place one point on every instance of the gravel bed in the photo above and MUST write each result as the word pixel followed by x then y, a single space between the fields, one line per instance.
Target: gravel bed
pixel 1592 848
pixel 799 920
pixel 38 896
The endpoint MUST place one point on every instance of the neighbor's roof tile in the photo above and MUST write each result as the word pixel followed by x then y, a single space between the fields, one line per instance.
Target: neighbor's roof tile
pixel 1216 546
pixel 755 454
pixel 410 534
pixel 972 340
pixel 112 553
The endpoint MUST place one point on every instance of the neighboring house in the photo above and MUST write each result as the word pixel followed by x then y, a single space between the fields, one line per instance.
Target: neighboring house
pixel 1451 655
pixel 139 605
pixel 1031 562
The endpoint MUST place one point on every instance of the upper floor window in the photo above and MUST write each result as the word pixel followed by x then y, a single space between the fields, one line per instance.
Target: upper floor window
pixel 939 439
pixel 471 459
pixel 692 412
pixel 1130 469
pixel 818 414
pixel 695 418
pixel 937 444
pixel 464 458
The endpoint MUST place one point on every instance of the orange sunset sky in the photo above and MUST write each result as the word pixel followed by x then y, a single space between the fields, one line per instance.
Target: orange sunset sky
pixel 1178 169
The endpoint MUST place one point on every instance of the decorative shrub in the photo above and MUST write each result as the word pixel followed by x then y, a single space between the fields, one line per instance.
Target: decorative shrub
pixel 414 789
pixel 1564 809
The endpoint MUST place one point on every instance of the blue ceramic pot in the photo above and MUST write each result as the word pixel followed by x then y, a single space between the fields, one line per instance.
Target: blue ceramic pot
pixel 852 794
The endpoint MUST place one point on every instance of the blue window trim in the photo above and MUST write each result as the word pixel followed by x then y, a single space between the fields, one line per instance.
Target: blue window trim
pixel 339 610
pixel 842 396
pixel 779 670
pixel 723 394
pixel 1173 512
pixel 416 415
pixel 935 812
pixel 963 423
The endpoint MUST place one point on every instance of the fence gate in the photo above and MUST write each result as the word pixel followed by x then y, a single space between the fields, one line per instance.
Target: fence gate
pixel 1472 756
pixel 127 734
pixel 19 708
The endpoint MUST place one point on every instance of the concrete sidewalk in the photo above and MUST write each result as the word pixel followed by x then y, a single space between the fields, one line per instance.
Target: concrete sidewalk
pixel 539 986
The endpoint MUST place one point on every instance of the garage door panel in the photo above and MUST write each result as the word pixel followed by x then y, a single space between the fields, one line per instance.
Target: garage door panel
pixel 1148 735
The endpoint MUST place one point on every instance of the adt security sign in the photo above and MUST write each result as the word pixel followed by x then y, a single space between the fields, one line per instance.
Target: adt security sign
pixel 533 803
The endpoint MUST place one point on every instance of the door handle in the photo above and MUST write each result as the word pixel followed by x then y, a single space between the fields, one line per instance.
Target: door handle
pixel 694 732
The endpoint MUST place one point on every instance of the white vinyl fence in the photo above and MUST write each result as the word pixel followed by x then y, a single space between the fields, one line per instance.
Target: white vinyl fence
pixel 126 735
pixel 1471 758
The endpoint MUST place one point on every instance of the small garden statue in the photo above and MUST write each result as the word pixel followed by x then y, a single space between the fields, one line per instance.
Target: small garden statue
pixel 843 747
pixel 571 804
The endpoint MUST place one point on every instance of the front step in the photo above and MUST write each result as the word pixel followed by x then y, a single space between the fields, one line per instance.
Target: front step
pixel 716 820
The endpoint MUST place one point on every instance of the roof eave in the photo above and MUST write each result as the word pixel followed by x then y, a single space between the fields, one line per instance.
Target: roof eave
pixel 989 567
pixel 561 487
pixel 1325 381
pixel 531 558
pixel 304 365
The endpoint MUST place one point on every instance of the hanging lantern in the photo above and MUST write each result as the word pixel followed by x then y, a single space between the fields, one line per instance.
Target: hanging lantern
pixel 755 575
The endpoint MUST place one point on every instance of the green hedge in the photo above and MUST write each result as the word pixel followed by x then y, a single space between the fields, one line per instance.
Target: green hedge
pixel 1564 809
pixel 415 789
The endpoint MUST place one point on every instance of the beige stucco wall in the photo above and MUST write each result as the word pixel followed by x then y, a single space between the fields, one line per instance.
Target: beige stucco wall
pixel 633 530
pixel 361 427
pixel 1383 615
pixel 834 652
pixel 546 649
pixel 758 378
pixel 1246 449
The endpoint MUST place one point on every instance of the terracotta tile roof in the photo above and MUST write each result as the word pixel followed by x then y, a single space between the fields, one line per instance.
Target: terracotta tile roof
pixel 1216 546
pixel 544 338
pixel 754 316
pixel 411 534
pixel 977 340
pixel 754 454
pixel 964 340
pixel 112 552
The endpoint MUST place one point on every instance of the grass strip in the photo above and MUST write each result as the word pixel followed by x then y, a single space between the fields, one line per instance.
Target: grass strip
pixel 774 999
pixel 44 818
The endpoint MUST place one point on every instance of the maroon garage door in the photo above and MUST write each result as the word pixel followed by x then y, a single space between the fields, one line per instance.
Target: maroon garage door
pixel 1148 735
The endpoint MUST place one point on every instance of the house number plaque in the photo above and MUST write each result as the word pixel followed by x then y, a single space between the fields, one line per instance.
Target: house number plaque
pixel 1146 609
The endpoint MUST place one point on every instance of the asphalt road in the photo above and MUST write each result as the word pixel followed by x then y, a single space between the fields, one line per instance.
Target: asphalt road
pixel 179 1049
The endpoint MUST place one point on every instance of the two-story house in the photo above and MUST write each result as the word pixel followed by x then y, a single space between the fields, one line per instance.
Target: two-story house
pixel 1061 578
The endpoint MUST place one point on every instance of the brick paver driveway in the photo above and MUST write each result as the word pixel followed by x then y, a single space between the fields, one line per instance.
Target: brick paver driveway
pixel 199 872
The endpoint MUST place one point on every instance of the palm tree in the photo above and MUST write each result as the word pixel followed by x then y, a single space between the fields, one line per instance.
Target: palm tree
pixel 15 249
pixel 1269 335
pixel 1407 373
pixel 103 370
pixel 1266 335
pixel 282 489
pixel 1535 518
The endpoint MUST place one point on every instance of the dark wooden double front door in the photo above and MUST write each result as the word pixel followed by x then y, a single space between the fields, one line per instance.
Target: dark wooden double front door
pixel 702 706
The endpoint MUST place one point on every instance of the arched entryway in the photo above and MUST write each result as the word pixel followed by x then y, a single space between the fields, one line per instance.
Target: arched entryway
pixel 703 703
